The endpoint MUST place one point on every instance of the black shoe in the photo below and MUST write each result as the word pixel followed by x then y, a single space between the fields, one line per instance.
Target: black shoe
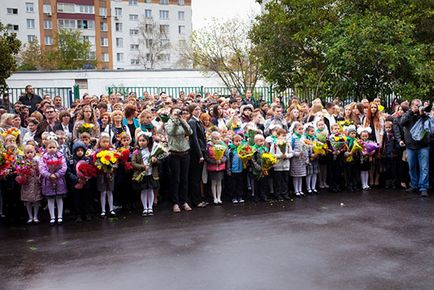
pixel 286 197
pixel 411 190
pixel 424 193
pixel 78 220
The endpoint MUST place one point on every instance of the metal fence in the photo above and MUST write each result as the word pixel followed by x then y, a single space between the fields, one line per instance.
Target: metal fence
pixel 66 93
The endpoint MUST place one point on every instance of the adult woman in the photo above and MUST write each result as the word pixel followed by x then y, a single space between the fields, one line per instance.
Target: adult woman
pixel 130 120
pixel 105 121
pixel 6 121
pixel 178 132
pixel 293 115
pixel 116 127
pixel 205 119
pixel 312 116
pixel 64 124
pixel 246 113
pixel 89 118
pixel 358 114
pixel 146 125
pixel 218 117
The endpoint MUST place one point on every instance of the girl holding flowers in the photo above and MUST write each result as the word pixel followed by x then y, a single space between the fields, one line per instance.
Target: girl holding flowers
pixel 216 165
pixel 283 152
pixel 145 175
pixel 52 167
pixel 312 167
pixel 322 135
pixel 299 159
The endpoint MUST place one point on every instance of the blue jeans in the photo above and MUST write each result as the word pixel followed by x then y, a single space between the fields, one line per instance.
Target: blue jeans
pixel 418 163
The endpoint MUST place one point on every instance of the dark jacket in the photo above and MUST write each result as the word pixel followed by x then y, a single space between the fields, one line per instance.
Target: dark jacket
pixel 58 127
pixel 42 127
pixel 197 139
pixel 390 148
pixel 30 101
pixel 407 122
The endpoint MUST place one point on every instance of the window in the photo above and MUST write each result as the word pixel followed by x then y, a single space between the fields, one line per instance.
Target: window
pixel 12 27
pixel 103 11
pixel 120 57
pixel 67 23
pixel 148 1
pixel 31 38
pixel 165 43
pixel 148 13
pixel 48 40
pixel 47 24
pixel 181 2
pixel 135 61
pixel 134 47
pixel 66 7
pixel 118 12
pixel 182 43
pixel 92 55
pixel 165 2
pixel 119 42
pixel 181 29
pixel 148 43
pixel 29 7
pixel 181 15
pixel 118 27
pixel 134 31
pixel 132 2
pixel 12 11
pixel 134 17
pixel 105 57
pixel 164 14
pixel 164 29
pixel 104 26
pixel 46 8
pixel 86 9
pixel 104 41
pixel 30 23
pixel 164 57
pixel 85 24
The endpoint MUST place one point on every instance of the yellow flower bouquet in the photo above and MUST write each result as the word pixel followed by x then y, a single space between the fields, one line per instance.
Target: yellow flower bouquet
pixel 268 161
pixel 85 128
pixel 107 161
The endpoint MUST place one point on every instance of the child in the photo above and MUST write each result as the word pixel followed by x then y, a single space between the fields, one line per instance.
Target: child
pixel 234 170
pixel 299 159
pixel 145 169
pixel 312 167
pixel 52 167
pixel 390 152
pixel 365 159
pixel 322 135
pixel 215 167
pixel 31 188
pixel 81 196
pixel 338 145
pixel 283 152
pixel 124 194
pixel 351 168
pixel 64 146
pixel 260 185
pixel 105 182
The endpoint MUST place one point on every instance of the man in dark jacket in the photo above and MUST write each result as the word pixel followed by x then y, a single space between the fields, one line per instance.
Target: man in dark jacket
pixel 30 100
pixel 417 151
pixel 197 149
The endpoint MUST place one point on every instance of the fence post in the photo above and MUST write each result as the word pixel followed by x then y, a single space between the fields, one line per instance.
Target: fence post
pixel 270 92
pixel 76 92
pixel 201 91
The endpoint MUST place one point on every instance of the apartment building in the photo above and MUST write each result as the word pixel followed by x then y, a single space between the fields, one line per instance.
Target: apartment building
pixel 124 34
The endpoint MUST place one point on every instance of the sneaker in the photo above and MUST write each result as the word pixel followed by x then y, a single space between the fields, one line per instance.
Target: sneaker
pixel 234 201
pixel 145 212
pixel 30 221
pixel 186 207
pixel 241 200
pixel 59 221
pixel 424 193
pixel 150 212
pixel 176 208
pixel 52 222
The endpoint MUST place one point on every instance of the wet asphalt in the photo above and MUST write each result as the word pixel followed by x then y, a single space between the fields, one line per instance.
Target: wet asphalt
pixel 376 240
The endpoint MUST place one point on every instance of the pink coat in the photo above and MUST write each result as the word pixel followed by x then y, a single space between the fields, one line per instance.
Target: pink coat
pixel 52 188
pixel 211 162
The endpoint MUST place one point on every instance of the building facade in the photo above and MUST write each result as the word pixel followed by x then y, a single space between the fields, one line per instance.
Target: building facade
pixel 124 34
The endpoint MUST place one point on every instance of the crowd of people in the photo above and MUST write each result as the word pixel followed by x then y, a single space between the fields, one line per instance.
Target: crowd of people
pixel 110 153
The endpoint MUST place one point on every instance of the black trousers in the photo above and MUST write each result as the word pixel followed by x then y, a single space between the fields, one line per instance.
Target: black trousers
pixel 235 184
pixel 82 199
pixel 194 180
pixel 179 167
pixel 391 170
pixel 335 172
pixel 261 187
pixel 352 174
pixel 280 182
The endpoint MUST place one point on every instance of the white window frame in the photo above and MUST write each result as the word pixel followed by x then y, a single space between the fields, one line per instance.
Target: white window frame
pixel 164 14
pixel 119 57
pixel 103 11
pixel 104 42
pixel 134 32
pixel 134 17
pixel 10 11
pixel 48 40
pixel 30 7
pixel 105 57
pixel 118 26
pixel 31 38
pixel 148 13
pixel 134 47
pixel 118 12
pixel 103 26
pixel 67 23
pixel 181 2
pixel 164 2
pixel 48 24
pixel 132 2
pixel 181 15
pixel 90 24
pixel 28 22
pixel 46 8
pixel 119 42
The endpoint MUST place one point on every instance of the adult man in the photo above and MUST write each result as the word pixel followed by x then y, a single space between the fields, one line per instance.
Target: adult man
pixel 29 99
pixel 277 119
pixel 58 104
pixel 248 99
pixel 329 118
pixel 417 151
pixel 48 124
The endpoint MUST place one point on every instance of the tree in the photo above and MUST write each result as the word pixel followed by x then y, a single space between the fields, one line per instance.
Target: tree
pixel 30 56
pixel 154 41
pixel 9 48
pixel 224 48
pixel 354 48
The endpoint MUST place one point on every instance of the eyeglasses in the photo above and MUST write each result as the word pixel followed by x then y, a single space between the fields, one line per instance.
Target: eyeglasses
pixel 49 112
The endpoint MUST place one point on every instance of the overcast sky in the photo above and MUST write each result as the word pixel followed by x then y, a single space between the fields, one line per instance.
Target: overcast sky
pixel 204 10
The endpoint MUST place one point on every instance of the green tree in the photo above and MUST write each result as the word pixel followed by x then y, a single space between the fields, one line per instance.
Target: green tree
pixel 9 48
pixel 355 48
pixel 30 56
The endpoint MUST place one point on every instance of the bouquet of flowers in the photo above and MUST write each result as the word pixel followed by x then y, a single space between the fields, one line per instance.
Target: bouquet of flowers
pixel 251 136
pixel 322 135
pixel 268 161
pixel 282 144
pixel 107 161
pixel 124 156
pixel 357 147
pixel 218 151
pixel 85 171
pixel 344 124
pixel 23 169
pixel 338 142
pixel 245 152
pixel 306 144
pixel 85 128
pixel 159 151
pixel 320 148
pixel 54 164
pixel 369 147
pixel 6 160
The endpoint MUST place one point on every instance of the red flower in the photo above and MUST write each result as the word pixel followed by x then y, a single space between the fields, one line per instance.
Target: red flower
pixel 107 157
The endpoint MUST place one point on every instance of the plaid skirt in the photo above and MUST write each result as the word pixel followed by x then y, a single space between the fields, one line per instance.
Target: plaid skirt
pixel 312 167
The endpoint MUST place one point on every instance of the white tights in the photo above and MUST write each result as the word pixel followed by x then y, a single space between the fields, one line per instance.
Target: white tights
pixel 35 206
pixel 109 195
pixel 216 189
pixel 311 181
pixel 297 184
pixel 59 204
pixel 147 197
pixel 364 176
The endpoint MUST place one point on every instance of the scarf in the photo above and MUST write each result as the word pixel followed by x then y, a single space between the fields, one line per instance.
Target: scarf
pixel 147 127
pixel 350 142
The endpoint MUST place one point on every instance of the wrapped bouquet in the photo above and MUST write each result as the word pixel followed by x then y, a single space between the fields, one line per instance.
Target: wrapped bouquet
pixel 245 152
pixel 218 151
pixel 320 148
pixel 6 160
pixel 369 147
pixel 107 161
pixel 85 171
pixel 23 169
pixel 268 161
pixel 85 128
